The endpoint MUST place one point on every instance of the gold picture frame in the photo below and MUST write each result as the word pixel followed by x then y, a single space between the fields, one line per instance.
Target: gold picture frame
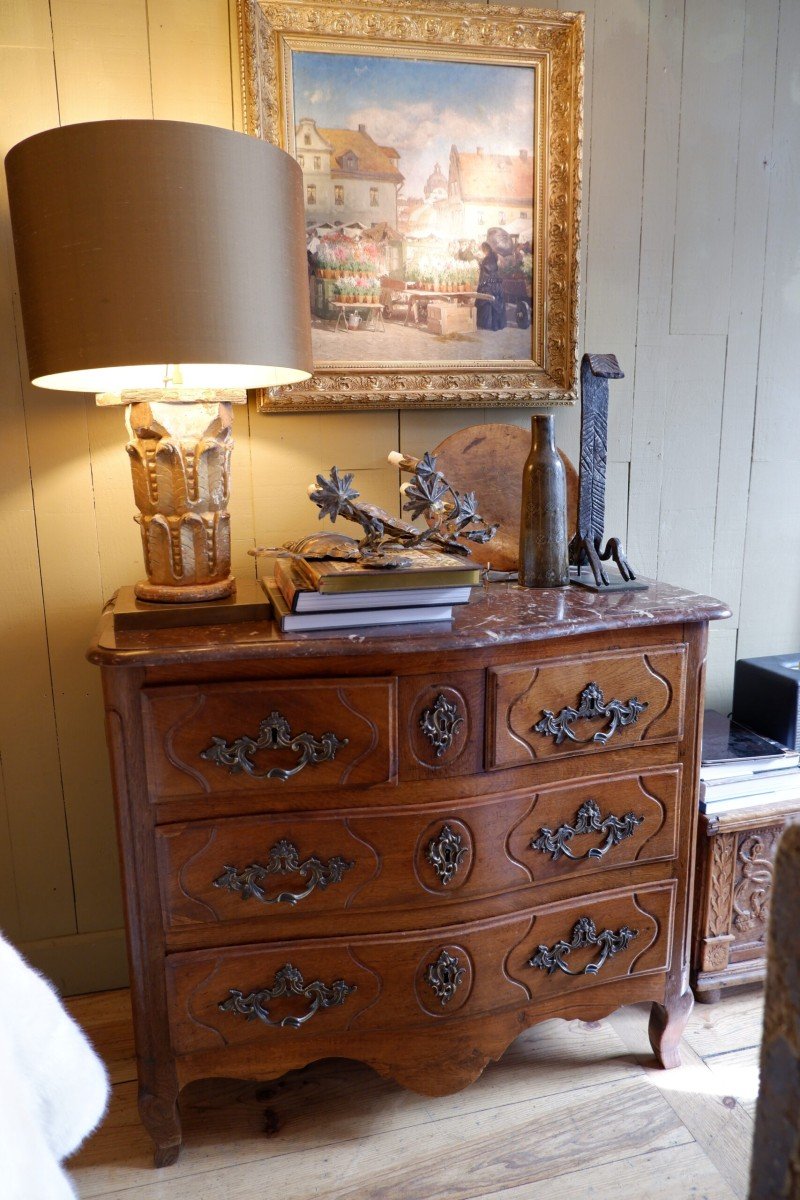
pixel 547 43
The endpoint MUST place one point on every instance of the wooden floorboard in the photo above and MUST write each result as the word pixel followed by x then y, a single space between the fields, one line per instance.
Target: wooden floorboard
pixel 572 1110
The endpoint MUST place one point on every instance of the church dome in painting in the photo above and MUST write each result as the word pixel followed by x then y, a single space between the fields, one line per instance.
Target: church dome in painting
pixel 436 182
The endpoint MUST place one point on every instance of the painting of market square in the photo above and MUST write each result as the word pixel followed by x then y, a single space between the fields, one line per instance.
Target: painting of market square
pixel 418 179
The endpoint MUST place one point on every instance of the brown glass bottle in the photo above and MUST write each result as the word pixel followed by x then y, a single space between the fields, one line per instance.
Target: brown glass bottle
pixel 543 545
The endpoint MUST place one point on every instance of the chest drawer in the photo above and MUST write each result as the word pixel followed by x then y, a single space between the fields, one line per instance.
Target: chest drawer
pixel 293 991
pixel 293 735
pixel 551 709
pixel 577 829
pixel 272 870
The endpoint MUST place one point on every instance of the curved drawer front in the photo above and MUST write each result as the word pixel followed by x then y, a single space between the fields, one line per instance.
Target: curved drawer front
pixel 339 986
pixel 559 707
pixel 290 735
pixel 594 939
pixel 272 869
pixel 579 828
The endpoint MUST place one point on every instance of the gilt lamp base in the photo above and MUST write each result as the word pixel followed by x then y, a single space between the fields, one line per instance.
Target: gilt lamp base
pixel 180 457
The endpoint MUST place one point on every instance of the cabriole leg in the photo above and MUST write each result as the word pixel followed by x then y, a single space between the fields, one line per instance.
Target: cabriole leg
pixel 161 1119
pixel 667 1023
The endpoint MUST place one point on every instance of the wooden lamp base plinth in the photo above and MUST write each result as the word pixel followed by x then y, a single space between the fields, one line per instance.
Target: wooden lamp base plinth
pixel 246 601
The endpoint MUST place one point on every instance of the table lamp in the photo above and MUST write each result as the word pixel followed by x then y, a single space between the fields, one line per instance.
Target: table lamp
pixel 162 266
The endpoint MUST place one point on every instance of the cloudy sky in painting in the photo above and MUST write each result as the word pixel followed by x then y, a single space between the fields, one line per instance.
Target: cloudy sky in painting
pixel 420 108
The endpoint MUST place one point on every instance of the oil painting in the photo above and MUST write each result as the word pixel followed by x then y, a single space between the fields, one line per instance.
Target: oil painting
pixel 418 192
pixel 439 146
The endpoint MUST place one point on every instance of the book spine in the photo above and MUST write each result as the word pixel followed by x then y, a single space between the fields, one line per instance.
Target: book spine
pixel 286 581
pixel 304 572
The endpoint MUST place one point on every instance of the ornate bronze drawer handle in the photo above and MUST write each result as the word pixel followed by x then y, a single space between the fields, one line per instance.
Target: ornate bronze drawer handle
pixel 591 705
pixel 288 982
pixel 274 733
pixel 584 933
pixel 440 724
pixel 587 820
pixel 283 859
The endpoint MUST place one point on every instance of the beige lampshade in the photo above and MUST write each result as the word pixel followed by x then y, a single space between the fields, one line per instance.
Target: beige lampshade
pixel 142 246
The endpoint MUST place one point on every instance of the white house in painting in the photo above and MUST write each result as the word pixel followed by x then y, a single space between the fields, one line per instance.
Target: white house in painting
pixel 347 176
pixel 489 189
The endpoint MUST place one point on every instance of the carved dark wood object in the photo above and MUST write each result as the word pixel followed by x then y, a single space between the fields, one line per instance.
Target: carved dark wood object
pixel 296 896
pixel 775 1166
pixel 586 546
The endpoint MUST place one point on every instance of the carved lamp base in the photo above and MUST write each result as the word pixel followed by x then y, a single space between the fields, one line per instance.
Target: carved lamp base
pixel 180 450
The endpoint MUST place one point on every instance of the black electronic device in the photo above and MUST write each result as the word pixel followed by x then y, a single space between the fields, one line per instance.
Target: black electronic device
pixel 766 696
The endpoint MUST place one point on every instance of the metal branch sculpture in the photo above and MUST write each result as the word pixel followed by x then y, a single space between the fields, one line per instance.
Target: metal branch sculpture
pixel 449 513
pixel 451 516
pixel 587 544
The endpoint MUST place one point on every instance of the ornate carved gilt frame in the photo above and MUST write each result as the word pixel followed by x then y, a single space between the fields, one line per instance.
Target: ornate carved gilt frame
pixel 551 41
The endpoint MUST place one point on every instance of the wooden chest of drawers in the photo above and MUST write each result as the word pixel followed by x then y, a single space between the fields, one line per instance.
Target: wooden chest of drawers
pixel 404 848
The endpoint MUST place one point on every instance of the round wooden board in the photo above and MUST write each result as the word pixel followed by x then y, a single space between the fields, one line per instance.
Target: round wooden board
pixel 488 460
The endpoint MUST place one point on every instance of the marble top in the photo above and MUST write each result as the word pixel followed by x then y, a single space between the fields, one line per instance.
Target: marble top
pixel 498 614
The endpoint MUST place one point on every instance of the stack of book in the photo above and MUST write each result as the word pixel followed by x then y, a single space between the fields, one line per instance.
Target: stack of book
pixel 741 769
pixel 332 594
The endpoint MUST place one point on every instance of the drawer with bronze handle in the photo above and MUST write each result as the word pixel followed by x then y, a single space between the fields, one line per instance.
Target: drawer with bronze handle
pixel 283 993
pixel 267 738
pixel 576 829
pixel 268 870
pixel 595 939
pixel 272 869
pixel 559 707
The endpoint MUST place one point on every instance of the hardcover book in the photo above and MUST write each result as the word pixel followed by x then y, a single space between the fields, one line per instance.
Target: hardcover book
pixel 310 622
pixel 428 568
pixel 302 598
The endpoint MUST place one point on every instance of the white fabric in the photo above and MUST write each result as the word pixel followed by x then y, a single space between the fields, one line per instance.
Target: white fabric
pixel 53 1087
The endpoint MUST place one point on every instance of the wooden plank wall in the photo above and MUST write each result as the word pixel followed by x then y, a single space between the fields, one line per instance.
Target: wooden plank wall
pixel 691 275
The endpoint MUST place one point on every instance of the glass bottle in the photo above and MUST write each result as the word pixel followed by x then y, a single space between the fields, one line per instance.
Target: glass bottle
pixel 543 543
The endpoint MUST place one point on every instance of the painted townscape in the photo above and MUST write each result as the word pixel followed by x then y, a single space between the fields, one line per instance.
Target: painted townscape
pixel 418 183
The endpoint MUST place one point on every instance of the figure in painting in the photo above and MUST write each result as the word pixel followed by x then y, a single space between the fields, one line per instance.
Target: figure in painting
pixel 491 314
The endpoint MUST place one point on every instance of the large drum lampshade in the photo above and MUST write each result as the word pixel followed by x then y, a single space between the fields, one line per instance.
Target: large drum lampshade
pixel 163 264
pixel 145 244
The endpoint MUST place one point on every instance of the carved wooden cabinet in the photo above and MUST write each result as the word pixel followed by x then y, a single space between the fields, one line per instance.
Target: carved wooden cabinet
pixel 404 848
pixel 735 860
